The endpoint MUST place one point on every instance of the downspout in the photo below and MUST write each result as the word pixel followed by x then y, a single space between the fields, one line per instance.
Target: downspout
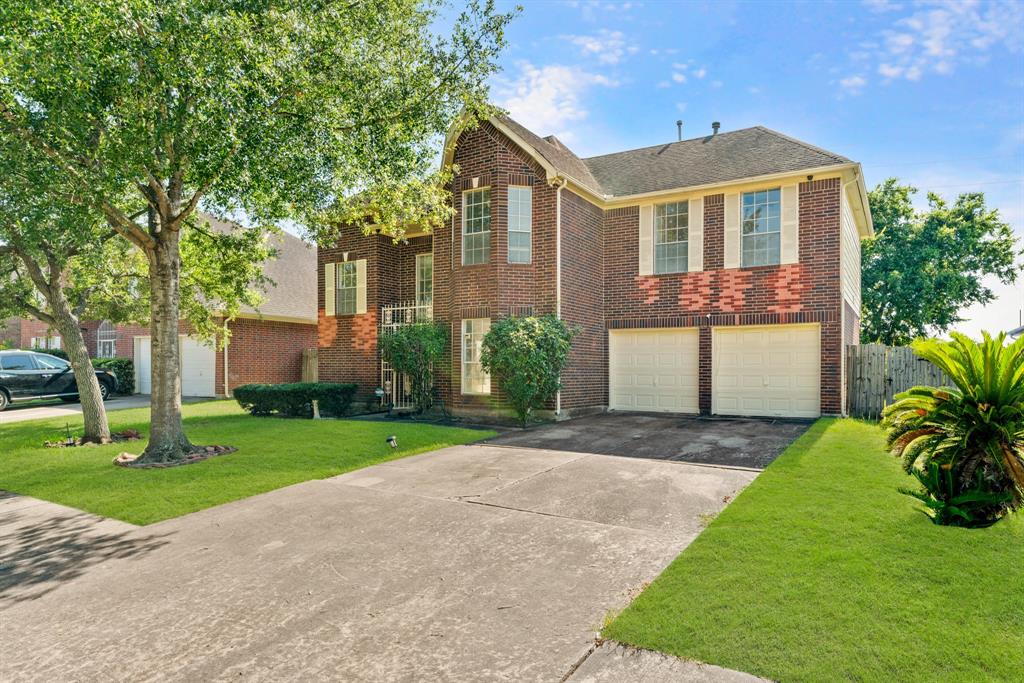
pixel 559 183
pixel 227 392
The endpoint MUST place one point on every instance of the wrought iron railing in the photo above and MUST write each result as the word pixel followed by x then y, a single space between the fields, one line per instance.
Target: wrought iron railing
pixel 397 388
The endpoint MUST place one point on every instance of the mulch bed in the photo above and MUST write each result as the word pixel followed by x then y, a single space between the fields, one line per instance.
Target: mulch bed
pixel 200 454
pixel 116 437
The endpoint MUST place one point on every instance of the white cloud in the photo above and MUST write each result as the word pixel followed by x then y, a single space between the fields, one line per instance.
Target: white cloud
pixel 679 77
pixel 547 98
pixel 664 84
pixel 609 47
pixel 716 84
pixel 938 35
pixel 700 73
pixel 681 107
pixel 853 85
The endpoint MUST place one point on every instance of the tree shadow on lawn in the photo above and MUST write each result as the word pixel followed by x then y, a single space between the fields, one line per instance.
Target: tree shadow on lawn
pixel 37 557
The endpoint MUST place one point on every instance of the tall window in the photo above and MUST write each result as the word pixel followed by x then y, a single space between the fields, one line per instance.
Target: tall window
pixel 671 235
pixel 520 224
pixel 424 279
pixel 476 227
pixel 474 379
pixel 106 340
pixel 347 283
pixel 46 343
pixel 761 228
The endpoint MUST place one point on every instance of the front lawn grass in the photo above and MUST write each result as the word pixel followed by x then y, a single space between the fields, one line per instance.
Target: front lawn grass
pixel 272 452
pixel 822 571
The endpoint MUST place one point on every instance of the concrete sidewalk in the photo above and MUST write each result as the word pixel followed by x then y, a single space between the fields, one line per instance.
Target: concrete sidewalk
pixel 469 563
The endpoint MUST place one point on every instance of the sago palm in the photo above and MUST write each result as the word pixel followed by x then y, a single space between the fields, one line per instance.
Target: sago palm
pixel 973 432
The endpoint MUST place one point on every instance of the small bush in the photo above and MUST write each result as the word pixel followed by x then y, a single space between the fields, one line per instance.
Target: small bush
pixel 413 350
pixel 527 356
pixel 964 444
pixel 295 400
pixel 124 368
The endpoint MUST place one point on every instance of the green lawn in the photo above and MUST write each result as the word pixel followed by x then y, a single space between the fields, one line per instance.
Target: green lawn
pixel 821 571
pixel 272 452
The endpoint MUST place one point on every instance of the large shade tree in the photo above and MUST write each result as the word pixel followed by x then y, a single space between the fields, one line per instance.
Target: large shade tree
pixel 279 109
pixel 922 268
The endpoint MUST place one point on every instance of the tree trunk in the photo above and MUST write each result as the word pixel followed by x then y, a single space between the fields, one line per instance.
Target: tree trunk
pixel 94 414
pixel 167 441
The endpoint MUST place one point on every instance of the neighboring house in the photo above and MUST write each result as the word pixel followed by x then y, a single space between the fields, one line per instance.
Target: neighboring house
pixel 717 275
pixel 266 345
pixel 28 333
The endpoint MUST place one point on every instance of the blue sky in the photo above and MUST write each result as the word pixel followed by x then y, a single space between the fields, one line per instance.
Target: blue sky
pixel 932 92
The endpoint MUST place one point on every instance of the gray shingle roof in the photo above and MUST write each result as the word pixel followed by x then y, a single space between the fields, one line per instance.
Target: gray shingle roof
pixel 556 154
pixel 744 153
pixel 292 293
pixel 734 155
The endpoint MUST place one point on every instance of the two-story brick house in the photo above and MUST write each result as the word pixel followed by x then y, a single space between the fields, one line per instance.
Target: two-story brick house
pixel 716 275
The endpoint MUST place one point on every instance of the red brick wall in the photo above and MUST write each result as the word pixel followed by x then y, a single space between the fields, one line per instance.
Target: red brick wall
pixel 585 381
pixel 264 351
pixel 808 291
pixel 348 343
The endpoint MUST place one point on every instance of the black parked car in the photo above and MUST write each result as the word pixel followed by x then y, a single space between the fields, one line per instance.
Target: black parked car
pixel 27 375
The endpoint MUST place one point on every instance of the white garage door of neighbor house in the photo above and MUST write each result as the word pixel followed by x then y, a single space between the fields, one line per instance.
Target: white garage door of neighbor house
pixel 653 370
pixel 766 371
pixel 198 367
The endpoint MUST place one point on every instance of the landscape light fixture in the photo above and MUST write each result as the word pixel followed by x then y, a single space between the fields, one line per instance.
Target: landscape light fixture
pixel 393 441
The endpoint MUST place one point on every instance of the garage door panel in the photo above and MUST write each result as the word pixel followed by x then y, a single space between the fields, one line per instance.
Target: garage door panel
pixel 770 371
pixel 653 370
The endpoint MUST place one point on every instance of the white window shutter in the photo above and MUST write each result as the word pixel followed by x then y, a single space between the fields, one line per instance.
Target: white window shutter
pixel 330 290
pixel 647 239
pixel 790 240
pixel 361 286
pixel 732 231
pixel 695 248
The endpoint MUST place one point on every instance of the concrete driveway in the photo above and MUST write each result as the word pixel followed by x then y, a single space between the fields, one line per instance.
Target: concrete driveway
pixel 37 410
pixel 469 563
pixel 732 442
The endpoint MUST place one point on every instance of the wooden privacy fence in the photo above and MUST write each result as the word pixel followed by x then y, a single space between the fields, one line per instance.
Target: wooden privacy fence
pixel 876 373
pixel 310 365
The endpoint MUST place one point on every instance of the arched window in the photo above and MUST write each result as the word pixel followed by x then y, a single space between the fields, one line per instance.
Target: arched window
pixel 106 340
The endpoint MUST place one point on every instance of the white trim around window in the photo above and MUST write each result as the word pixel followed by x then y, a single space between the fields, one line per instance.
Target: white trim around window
pixel 761 228
pixel 474 379
pixel 424 279
pixel 671 237
pixel 476 226
pixel 520 224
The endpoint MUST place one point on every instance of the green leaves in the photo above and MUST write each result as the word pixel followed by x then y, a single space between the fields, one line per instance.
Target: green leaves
pixel 527 356
pixel 965 444
pixel 920 269
pixel 414 350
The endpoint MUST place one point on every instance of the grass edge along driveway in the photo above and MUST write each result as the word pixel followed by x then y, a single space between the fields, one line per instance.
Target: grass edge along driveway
pixel 820 570
pixel 272 453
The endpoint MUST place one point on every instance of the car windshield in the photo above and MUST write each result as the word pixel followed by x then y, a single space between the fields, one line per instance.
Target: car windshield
pixel 50 362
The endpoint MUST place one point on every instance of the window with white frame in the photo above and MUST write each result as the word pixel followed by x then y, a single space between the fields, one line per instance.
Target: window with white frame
pixel 761 227
pixel 347 284
pixel 474 379
pixel 671 237
pixel 476 226
pixel 424 279
pixel 520 224
pixel 46 343
pixel 106 340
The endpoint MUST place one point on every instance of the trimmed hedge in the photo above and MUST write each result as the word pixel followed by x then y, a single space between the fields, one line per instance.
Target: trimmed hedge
pixel 124 368
pixel 59 353
pixel 295 400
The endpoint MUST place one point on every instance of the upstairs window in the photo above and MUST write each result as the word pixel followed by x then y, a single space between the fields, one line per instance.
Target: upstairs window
pixel 476 227
pixel 761 228
pixel 520 224
pixel 424 279
pixel 348 283
pixel 671 237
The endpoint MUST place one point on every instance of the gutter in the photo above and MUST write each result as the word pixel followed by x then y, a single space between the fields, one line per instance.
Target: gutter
pixel 558 183
pixel 227 392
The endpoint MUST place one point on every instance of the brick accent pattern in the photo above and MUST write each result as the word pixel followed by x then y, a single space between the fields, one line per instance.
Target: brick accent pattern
pixel 601 288
pixel 264 351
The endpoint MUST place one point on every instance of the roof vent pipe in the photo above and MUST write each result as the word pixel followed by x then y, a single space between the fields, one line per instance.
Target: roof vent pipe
pixel 715 125
pixel 679 129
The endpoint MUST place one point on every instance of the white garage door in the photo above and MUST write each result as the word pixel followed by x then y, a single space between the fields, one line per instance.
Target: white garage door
pixel 653 370
pixel 198 367
pixel 769 371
